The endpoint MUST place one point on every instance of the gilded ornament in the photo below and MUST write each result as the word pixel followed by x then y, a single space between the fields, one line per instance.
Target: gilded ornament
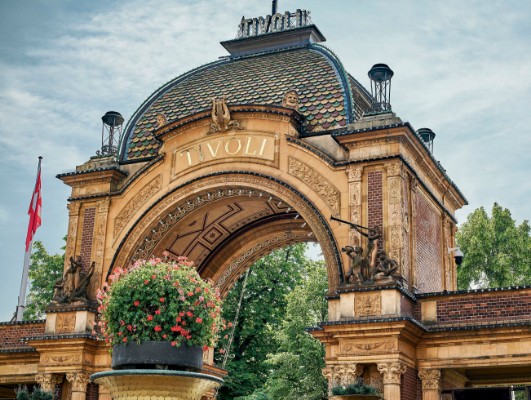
pixel 221 118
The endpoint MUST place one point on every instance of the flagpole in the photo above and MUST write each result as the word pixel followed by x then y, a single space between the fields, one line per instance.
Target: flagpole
pixel 27 257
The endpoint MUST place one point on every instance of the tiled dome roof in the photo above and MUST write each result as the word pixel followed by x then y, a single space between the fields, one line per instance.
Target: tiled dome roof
pixel 328 96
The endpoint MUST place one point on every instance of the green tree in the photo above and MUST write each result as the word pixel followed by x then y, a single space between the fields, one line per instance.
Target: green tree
pixel 497 251
pixel 261 315
pixel 296 367
pixel 44 270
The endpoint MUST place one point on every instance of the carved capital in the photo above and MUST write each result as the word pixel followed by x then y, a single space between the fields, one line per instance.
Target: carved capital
pixel 103 205
pixel 78 380
pixel 342 374
pixel 48 381
pixel 392 371
pixel 430 379
pixel 354 173
pixel 73 208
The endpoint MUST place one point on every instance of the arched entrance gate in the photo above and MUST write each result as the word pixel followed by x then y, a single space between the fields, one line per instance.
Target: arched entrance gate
pixel 226 212
pixel 256 151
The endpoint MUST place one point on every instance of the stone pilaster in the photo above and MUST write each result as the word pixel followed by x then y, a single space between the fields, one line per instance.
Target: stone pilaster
pixel 394 211
pixel 431 386
pixel 71 237
pixel 413 235
pixel 48 382
pixel 355 174
pixel 392 372
pixel 79 381
pixel 100 230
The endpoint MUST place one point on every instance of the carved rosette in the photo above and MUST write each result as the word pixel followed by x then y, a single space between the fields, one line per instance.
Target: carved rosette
pixel 354 174
pixel 48 382
pixel 343 374
pixel 394 209
pixel 430 379
pixel 392 371
pixel 73 221
pixel 78 380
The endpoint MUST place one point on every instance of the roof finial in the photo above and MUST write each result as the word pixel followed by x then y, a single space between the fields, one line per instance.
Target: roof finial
pixel 274 7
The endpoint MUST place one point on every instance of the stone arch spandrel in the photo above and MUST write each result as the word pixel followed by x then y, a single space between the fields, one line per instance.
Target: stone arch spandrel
pixel 182 200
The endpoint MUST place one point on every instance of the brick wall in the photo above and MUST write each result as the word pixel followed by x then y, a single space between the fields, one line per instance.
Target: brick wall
pixel 11 333
pixel 92 391
pixel 410 386
pixel 86 236
pixel 491 307
pixel 375 199
pixel 428 247
pixel 407 307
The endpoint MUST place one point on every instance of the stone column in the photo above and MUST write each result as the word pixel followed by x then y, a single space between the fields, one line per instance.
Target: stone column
pixel 79 381
pixel 391 371
pixel 431 388
pixel 48 382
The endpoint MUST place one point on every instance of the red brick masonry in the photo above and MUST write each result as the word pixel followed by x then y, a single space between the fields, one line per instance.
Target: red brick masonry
pixel 12 332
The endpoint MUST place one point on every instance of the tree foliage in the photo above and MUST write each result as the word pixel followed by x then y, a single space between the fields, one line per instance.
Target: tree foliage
pixel 261 315
pixel 295 369
pixel 44 270
pixel 497 251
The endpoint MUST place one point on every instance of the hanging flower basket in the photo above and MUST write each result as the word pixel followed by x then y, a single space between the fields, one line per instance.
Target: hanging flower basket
pixel 157 301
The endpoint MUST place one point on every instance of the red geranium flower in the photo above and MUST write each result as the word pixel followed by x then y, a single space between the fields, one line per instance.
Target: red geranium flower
pixel 157 328
pixel 136 303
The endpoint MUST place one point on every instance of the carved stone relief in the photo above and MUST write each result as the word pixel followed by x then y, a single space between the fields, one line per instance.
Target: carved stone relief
pixel 328 192
pixel 367 304
pixel 135 203
pixel 65 322
pixel 350 347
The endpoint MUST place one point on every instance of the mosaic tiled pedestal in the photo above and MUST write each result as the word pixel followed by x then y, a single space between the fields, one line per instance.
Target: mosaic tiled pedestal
pixel 149 384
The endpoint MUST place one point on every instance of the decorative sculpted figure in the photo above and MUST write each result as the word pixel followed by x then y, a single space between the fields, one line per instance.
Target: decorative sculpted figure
pixel 161 120
pixel 375 266
pixel 221 117
pixel 72 287
pixel 291 100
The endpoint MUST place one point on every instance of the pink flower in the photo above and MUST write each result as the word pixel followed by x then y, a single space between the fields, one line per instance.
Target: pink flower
pixel 153 276
pixel 174 344
pixel 124 340
pixel 122 322
pixel 162 300
pixel 157 312
pixel 199 320
pixel 136 303
pixel 129 327
pixel 189 314
pixel 150 317
pixel 157 328
pixel 146 281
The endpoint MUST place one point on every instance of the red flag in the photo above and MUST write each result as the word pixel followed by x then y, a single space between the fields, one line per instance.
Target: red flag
pixel 34 210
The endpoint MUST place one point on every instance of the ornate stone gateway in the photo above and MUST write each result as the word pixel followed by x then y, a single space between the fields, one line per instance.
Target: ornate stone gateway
pixel 273 145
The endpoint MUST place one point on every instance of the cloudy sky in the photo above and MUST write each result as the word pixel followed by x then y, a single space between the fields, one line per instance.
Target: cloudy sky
pixel 462 68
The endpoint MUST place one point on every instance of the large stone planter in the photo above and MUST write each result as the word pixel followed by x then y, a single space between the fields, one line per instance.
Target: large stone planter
pixel 156 384
pixel 157 355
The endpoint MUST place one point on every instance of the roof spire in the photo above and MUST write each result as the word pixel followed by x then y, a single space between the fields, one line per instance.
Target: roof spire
pixel 274 7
